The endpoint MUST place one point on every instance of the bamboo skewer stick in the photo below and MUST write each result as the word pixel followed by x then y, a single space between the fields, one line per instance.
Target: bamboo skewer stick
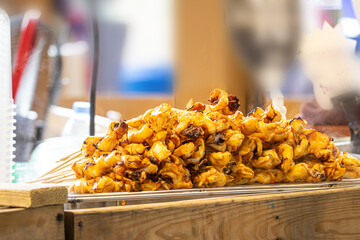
pixel 60 173
pixel 54 177
pixel 62 165
pixel 72 156
pixel 57 174
pixel 62 176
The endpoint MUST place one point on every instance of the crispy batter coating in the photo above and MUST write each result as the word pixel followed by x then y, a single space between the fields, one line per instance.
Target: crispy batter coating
pixel 208 146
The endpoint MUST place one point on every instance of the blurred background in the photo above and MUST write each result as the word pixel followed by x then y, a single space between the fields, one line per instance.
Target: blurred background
pixel 167 51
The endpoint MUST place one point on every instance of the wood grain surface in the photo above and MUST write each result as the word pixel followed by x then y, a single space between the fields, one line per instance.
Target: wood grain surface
pixel 324 214
pixel 32 195
pixel 34 223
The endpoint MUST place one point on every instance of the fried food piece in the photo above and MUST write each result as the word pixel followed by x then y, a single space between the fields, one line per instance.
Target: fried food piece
pixel 149 185
pixel 351 164
pixel 258 113
pixel 197 107
pixel 219 159
pixel 250 125
pixel 193 132
pixel 114 133
pixel 210 178
pixel 219 100
pixel 318 141
pixel 78 166
pixel 302 149
pixel 233 140
pixel 101 165
pixel 159 117
pixel 232 106
pixel 158 137
pixel 286 154
pixel 185 151
pixel 82 186
pixel 199 152
pixel 106 184
pixel 316 171
pixel 334 171
pixel 135 148
pixel 267 176
pixel 298 173
pixel 136 122
pixel 222 121
pixel 139 136
pixel 239 172
pixel 268 159
pixel 272 132
pixel 297 125
pixel 159 151
pixel 90 145
pixel 250 145
pixel 102 184
pixel 271 115
pixel 179 176
pixel 134 162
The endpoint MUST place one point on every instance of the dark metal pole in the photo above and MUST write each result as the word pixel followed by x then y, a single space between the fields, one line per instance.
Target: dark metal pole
pixel 94 76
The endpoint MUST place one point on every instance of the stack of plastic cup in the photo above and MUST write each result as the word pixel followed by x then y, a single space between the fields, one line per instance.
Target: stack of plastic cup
pixel 7 107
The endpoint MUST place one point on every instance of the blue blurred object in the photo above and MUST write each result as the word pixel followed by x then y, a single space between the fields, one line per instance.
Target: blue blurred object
pixel 350 23
pixel 154 80
pixel 348 9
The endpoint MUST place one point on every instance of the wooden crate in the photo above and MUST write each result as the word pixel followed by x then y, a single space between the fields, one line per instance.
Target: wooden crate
pixel 323 214
pixel 32 223
pixel 32 211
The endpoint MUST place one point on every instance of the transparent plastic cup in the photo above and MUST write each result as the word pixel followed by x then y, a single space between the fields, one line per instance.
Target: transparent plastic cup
pixel 8 132
pixel 7 153
pixel 7 169
pixel 9 142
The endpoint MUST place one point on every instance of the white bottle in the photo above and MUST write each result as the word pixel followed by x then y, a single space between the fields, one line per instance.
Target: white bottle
pixel 78 124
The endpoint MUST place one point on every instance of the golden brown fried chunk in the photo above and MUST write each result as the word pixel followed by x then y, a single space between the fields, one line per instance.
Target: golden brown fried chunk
pixel 211 178
pixel 90 145
pixel 114 133
pixel 140 135
pixel 268 159
pixel 178 175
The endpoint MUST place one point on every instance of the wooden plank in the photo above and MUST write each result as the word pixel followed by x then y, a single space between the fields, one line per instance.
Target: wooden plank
pixel 32 195
pixel 34 223
pixel 325 214
pixel 205 58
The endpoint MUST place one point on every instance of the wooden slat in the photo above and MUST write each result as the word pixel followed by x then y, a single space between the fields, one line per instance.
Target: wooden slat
pixel 205 58
pixel 325 214
pixel 32 195
pixel 34 223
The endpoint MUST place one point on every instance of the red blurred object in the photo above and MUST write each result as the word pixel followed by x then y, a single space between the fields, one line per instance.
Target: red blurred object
pixel 26 43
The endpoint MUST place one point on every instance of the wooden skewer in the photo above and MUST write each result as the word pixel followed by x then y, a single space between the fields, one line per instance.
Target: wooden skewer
pixel 59 176
pixel 63 169
pixel 64 164
pixel 63 180
pixel 62 173
pixel 71 156
pixel 56 174
pixel 62 176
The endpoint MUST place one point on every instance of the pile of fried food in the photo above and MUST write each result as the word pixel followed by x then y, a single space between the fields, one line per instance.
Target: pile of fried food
pixel 208 146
